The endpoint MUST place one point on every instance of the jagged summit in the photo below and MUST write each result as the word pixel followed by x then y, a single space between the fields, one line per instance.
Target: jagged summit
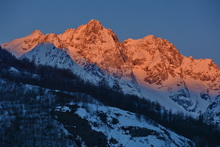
pixel 149 37
pixel 94 26
pixel 37 32
pixel 94 22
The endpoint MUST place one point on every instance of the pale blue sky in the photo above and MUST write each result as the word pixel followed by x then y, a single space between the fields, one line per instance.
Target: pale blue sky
pixel 193 26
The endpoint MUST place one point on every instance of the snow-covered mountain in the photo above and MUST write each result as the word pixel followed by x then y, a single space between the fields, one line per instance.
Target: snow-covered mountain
pixel 171 78
pixel 21 46
pixel 149 67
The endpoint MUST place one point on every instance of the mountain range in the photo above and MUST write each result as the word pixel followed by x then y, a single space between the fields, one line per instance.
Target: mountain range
pixel 150 68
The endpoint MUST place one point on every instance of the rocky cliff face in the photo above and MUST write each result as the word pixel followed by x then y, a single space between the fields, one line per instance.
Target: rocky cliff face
pixel 150 67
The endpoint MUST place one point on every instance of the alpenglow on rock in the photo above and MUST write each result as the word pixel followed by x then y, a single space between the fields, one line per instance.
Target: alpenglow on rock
pixel 150 67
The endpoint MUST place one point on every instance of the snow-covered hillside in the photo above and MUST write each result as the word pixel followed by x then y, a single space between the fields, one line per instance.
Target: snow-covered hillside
pixel 212 115
pixel 47 54
pixel 150 67
pixel 123 128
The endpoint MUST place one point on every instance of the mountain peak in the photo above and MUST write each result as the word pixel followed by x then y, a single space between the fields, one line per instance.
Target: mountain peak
pixel 94 22
pixel 149 37
pixel 94 25
pixel 37 32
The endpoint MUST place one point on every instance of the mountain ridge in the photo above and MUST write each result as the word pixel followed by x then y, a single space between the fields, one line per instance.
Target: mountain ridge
pixel 151 67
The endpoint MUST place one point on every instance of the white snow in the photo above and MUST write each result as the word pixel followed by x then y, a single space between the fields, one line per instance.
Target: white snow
pixel 14 70
pixel 127 119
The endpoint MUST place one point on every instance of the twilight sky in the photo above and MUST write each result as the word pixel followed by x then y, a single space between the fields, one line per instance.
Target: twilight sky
pixel 192 26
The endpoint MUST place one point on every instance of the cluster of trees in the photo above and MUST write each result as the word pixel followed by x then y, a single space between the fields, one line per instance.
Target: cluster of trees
pixel 53 78
pixel 27 120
